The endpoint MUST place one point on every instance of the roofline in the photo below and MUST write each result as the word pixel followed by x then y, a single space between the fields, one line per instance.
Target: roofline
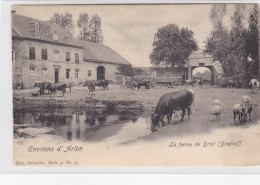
pixel 103 61
pixel 16 31
pixel 50 42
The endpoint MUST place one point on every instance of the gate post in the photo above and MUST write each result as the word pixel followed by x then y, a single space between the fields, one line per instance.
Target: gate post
pixel 189 72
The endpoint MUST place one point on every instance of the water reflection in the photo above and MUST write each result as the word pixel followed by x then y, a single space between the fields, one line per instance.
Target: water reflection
pixel 86 125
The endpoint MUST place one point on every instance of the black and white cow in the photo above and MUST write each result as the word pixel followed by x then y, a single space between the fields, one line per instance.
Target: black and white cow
pixel 170 102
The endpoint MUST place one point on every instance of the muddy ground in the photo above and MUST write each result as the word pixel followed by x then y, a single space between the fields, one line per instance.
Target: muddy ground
pixel 157 149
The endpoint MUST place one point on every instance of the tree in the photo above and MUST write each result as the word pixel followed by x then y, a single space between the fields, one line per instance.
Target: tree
pixel 95 30
pixel 217 14
pixel 252 44
pixel 83 24
pixel 64 20
pixel 129 71
pixel 238 39
pixel 172 46
pixel 218 43
pixel 228 47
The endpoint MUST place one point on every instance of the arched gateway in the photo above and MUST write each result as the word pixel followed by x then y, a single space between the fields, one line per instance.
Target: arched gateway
pixel 200 60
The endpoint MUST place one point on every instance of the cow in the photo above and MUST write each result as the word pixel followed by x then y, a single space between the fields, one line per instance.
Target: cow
pixel 169 103
pixel 91 87
pixel 254 83
pixel 200 82
pixel 69 85
pixel 146 84
pixel 193 82
pixel 57 86
pixel 42 86
pixel 104 84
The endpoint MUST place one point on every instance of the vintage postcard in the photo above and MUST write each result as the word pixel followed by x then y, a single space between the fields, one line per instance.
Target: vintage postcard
pixel 135 85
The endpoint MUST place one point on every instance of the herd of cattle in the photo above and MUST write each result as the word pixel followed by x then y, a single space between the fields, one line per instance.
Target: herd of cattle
pixel 183 100
pixel 171 103
pixel 52 88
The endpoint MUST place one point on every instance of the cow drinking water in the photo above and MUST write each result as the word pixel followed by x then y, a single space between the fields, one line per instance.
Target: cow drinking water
pixel 170 102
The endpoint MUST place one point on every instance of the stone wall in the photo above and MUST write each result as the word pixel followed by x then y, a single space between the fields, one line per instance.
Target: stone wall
pixel 22 64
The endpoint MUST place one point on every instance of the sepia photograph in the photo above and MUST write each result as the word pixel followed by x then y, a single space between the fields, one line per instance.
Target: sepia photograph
pixel 135 85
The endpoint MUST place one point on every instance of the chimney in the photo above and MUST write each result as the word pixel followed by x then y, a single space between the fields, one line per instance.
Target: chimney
pixel 13 13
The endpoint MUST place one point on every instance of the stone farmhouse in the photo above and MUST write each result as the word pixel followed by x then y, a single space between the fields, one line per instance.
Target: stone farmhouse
pixel 45 52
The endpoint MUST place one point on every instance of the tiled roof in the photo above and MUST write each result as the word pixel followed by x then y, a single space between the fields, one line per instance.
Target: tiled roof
pixel 23 26
pixel 94 52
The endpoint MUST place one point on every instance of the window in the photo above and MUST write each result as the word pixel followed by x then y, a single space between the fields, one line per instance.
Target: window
pixel 76 73
pixel 32 53
pixel 89 72
pixel 67 73
pixel 44 54
pixel 13 55
pixel 37 34
pixel 51 29
pixel 37 26
pixel 55 36
pixel 32 72
pixel 76 58
pixel 67 56
pixel 44 72
pixel 56 55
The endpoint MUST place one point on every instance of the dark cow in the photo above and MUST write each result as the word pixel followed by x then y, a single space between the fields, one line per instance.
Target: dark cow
pixel 169 103
pixel 104 84
pixel 57 87
pixel 146 84
pixel 99 83
pixel 91 87
pixel 42 86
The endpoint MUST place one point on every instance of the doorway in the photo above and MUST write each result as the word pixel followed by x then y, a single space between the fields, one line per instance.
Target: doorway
pixel 100 73
pixel 56 75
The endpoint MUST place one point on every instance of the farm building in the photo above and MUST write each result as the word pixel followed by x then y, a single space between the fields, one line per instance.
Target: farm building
pixel 202 65
pixel 45 52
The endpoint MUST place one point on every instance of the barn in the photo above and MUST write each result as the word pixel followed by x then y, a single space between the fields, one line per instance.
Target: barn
pixel 45 52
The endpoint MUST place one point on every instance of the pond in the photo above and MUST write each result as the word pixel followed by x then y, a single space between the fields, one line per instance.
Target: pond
pixel 88 125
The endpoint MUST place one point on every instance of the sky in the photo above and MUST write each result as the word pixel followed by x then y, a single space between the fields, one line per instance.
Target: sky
pixel 130 29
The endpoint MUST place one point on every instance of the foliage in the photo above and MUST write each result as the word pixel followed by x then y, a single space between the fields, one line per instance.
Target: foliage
pixel 234 48
pixel 90 30
pixel 95 30
pixel 252 44
pixel 63 20
pixel 83 24
pixel 217 14
pixel 129 71
pixel 172 46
